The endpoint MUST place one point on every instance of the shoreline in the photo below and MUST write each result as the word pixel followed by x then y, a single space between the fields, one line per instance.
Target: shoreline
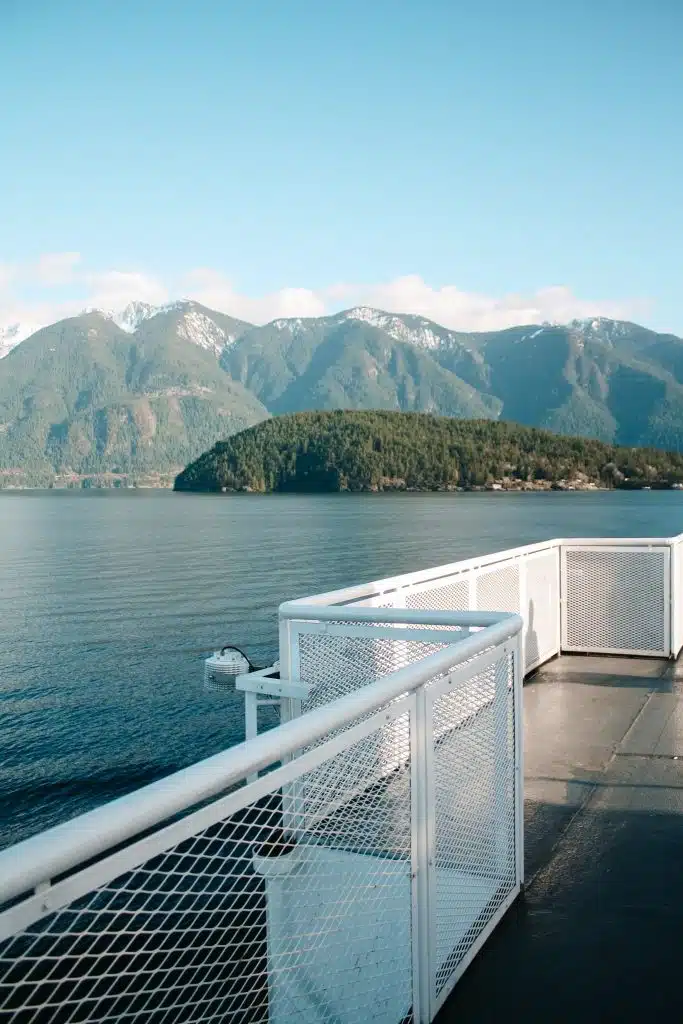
pixel 163 482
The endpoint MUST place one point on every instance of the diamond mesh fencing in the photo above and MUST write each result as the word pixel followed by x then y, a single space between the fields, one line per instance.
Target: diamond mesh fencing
pixel 339 661
pixel 243 921
pixel 497 589
pixel 524 581
pixel 616 600
pixel 440 596
pixel 472 791
pixel 348 883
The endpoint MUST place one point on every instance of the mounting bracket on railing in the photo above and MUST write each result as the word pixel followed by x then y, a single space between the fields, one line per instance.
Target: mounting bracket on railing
pixel 265 688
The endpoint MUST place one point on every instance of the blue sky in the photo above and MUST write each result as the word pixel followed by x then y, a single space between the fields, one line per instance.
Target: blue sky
pixel 483 162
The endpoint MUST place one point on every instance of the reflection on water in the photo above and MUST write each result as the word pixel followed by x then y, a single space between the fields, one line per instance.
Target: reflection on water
pixel 110 600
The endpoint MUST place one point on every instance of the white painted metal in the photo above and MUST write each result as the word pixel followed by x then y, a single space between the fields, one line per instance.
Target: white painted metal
pixel 676 600
pixel 334 650
pixel 345 900
pixel 497 582
pixel 406 616
pixel 65 846
pixel 401 789
pixel 176 921
pixel 337 656
pixel 473 798
pixel 616 598
pixel 518 725
pixel 529 580
pixel 264 688
pixel 388 586
pixel 267 682
pixel 475 947
pixel 541 607
pixel 421 752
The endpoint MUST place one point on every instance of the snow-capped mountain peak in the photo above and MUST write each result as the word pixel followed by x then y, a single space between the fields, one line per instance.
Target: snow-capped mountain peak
pixel 601 328
pixel 365 313
pixel 602 325
pixel 420 332
pixel 193 324
pixel 135 313
pixel 201 330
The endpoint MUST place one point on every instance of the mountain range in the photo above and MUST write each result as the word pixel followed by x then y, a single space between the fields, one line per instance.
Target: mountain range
pixel 145 390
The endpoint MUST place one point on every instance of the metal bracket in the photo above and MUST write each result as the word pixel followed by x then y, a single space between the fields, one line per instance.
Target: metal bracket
pixel 264 682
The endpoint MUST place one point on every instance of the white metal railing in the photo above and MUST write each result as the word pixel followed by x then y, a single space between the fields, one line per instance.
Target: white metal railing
pixel 593 596
pixel 356 878
pixel 352 882
pixel 617 597
pixel 523 580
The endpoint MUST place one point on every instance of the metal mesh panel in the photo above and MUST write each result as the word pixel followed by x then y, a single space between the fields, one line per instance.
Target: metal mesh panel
pixel 236 923
pixel 472 792
pixel 339 664
pixel 615 600
pixel 498 589
pixel 335 665
pixel 541 611
pixel 453 596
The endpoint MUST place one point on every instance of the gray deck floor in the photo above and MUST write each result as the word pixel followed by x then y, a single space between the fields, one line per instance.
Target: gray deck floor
pixel 598 933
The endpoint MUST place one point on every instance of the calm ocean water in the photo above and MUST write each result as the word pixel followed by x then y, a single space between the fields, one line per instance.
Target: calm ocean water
pixel 110 600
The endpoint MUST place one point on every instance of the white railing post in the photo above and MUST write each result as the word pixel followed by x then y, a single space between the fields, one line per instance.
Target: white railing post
pixel 518 696
pixel 675 597
pixel 500 781
pixel 558 550
pixel 472 585
pixel 423 924
pixel 289 707
pixel 523 607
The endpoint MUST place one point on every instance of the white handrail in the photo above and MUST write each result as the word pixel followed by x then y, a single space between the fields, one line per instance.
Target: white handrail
pixel 390 583
pixel 626 542
pixel 41 858
pixel 409 616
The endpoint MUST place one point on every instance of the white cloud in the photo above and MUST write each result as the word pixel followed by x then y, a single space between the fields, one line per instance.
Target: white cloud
pixel 106 290
pixel 54 268
pixel 460 310
pixel 114 289
pixel 470 311
pixel 215 290
pixel 6 276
